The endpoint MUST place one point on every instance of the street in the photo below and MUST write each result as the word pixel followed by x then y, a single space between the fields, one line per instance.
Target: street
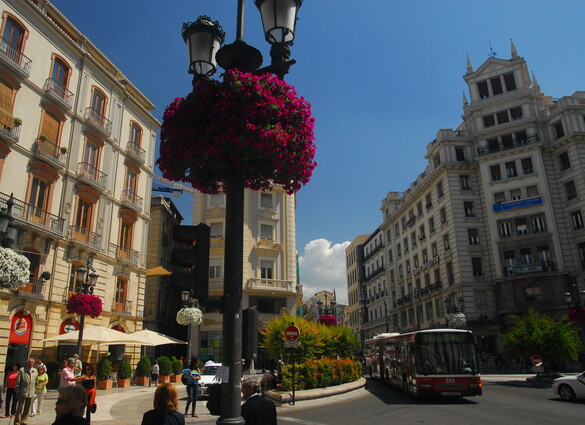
pixel 503 402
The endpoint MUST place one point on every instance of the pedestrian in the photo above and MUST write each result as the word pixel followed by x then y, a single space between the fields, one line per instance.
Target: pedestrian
pixel 166 405
pixel 154 373
pixel 10 390
pixel 190 378
pixel 78 369
pixel 67 378
pixel 256 410
pixel 26 383
pixel 88 382
pixel 40 390
pixel 268 381
pixel 70 405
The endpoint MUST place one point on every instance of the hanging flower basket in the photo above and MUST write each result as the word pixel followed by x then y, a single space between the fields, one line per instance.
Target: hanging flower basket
pixel 85 304
pixel 14 269
pixel 254 123
pixel 328 320
pixel 189 316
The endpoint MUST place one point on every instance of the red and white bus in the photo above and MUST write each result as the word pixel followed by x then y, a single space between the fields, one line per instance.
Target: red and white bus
pixel 433 362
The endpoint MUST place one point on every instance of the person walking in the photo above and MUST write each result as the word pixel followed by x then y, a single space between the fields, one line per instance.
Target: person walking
pixel 88 382
pixel 40 391
pixel 78 368
pixel 67 377
pixel 26 383
pixel 154 370
pixel 190 378
pixel 70 405
pixel 256 410
pixel 166 405
pixel 10 390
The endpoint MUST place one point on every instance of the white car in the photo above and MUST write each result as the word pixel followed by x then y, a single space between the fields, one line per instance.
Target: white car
pixel 208 377
pixel 570 387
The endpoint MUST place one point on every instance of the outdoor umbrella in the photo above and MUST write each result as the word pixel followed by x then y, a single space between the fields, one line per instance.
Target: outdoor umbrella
pixel 99 334
pixel 158 271
pixel 151 338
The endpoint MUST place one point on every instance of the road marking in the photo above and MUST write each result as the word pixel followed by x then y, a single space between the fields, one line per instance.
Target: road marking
pixel 299 421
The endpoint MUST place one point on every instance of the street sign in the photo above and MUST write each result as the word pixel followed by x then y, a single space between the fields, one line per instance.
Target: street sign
pixel 536 360
pixel 292 344
pixel 292 333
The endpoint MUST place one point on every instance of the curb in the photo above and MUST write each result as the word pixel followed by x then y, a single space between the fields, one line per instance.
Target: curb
pixel 286 396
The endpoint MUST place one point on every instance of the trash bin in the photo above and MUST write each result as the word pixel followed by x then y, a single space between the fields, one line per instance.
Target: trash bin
pixel 214 402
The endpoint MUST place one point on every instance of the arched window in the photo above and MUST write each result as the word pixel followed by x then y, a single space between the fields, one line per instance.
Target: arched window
pixel 13 34
pixel 91 153
pixel 38 198
pixel 60 72
pixel 98 103
pixel 84 210
pixel 135 134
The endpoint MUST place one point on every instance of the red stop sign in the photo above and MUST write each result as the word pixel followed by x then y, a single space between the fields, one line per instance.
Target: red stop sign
pixel 536 360
pixel 292 333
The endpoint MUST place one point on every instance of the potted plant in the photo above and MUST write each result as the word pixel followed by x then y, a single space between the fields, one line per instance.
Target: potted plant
pixel 143 371
pixel 17 122
pixel 124 373
pixel 43 136
pixel 45 275
pixel 165 369
pixel 104 370
pixel 177 366
pixel 63 150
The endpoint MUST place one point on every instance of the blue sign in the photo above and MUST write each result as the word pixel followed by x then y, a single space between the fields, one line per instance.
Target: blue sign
pixel 521 203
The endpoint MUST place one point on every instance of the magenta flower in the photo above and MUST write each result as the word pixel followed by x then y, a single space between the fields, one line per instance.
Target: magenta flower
pixel 85 304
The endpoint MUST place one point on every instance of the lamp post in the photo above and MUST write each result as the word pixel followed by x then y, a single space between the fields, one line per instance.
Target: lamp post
pixel 7 228
pixel 86 284
pixel 204 38
pixel 455 312
pixel 189 302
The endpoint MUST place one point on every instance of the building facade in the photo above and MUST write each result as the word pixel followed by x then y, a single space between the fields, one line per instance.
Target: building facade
pixel 493 226
pixel 77 144
pixel 270 273
pixel 356 293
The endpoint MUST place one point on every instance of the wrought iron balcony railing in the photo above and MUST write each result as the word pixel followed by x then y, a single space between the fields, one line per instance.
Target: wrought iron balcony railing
pixel 136 151
pixel 58 91
pixel 505 145
pixel 92 175
pixel 85 236
pixel 35 217
pixel 95 118
pixel 34 289
pixel 10 134
pixel 132 199
pixel 14 57
pixel 125 254
pixel 50 151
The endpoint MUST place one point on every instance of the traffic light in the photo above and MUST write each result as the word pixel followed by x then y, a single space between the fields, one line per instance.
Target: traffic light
pixel 195 258
pixel 249 333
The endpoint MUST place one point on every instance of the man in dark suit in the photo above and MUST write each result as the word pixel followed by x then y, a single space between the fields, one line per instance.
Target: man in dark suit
pixel 256 410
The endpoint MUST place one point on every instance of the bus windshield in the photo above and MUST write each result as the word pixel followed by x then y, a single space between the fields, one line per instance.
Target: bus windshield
pixel 445 353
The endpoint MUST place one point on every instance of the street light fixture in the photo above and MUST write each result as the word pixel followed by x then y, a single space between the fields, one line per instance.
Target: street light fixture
pixel 189 302
pixel 7 228
pixel 203 39
pixel 86 284
pixel 455 312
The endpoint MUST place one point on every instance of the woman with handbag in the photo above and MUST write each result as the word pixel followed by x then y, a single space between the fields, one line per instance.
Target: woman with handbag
pixel 190 378
pixel 88 382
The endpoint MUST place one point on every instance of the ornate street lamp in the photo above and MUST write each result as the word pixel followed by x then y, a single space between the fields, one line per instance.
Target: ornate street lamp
pixel 189 315
pixel 203 37
pixel 7 228
pixel 85 285
pixel 455 313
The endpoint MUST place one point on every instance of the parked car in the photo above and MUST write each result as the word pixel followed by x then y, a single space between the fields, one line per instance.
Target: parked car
pixel 208 377
pixel 570 387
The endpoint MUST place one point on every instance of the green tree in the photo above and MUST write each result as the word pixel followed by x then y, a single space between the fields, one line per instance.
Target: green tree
pixel 556 341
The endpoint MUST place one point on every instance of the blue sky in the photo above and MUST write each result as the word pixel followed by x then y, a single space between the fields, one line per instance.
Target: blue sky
pixel 382 76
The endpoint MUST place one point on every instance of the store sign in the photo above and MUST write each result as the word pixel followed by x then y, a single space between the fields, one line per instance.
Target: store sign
pixel 69 325
pixel 20 328
pixel 426 266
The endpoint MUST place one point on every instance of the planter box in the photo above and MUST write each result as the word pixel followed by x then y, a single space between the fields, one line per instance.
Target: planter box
pixel 175 378
pixel 123 383
pixel 105 385
pixel 142 380
pixel 164 379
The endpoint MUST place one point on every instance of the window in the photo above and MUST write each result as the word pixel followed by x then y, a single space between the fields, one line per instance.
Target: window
pixel 13 36
pixel 421 232
pixel 6 99
pixel 60 78
pixel 121 293
pixel 405 243
pixel 437 159
pixel 468 206
pixel 440 189
pixel 73 278
pixel 446 242
pixel 493 144
pixel 527 167
pixel 50 127
pixel 496 85
pixel 570 190
pixel 503 117
pixel 407 265
pixel 398 250
pixel 516 113
pixel 505 229
pixel 266 269
pixel 428 201
pixel 532 191
pixel 520 137
pixel 83 216
pixel 526 256
pixel 544 256
pixel 482 88
pixel 511 169
pixel 125 240
pixel 215 269
pixel 499 197
pixel 509 258
pixel 38 198
pixel 533 293
pixel 559 131
pixel 564 161
pixel 450 276
pixel 98 107
pixel 400 272
pixel 425 256
pixel 581 248
pixel 507 141
pixel 135 134
pixel 443 215
pixel 515 194
pixel 577 220
pixel 266 200
pixel 460 154
pixel 538 224
pixel 434 250
pixel 131 180
pixel 91 155
pixel 489 121
pixel 496 172
pixel 397 230
pixel 429 311
pixel 509 81
pixel 266 232
pixel 431 225
pixel 413 238
pixel 465 182
pixel 419 209
pixel 521 226
pixel 473 235
pixel 216 230
pixel 476 266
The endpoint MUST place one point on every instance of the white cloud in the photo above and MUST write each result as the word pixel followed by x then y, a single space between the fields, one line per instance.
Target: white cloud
pixel 322 266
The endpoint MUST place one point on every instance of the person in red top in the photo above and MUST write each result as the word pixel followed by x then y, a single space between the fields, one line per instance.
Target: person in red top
pixel 10 390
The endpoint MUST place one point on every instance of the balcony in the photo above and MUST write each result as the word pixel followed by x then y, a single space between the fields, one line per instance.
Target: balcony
pixel 50 152
pixel 35 217
pixel 85 237
pixel 519 203
pixel 92 175
pixel 131 199
pixel 14 59
pixel 216 283
pixel 98 121
pixel 135 151
pixel 542 266
pixel 270 285
pixel 121 306
pixel 34 289
pixel 59 93
pixel 375 273
pixel 124 254
pixel 435 286
pixel 502 146
pixel 10 135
